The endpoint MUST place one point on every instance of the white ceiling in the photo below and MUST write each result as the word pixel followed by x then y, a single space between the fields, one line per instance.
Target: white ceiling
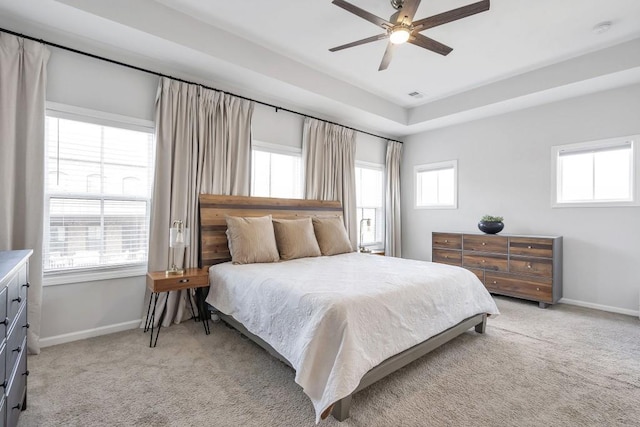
pixel 517 54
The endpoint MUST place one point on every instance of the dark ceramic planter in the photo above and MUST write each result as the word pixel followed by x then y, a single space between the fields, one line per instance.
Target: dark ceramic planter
pixel 490 227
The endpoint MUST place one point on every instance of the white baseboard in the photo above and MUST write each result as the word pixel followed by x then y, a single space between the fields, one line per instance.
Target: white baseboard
pixel 89 333
pixel 609 308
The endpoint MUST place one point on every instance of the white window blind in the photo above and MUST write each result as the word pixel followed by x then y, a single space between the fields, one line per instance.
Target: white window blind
pixel 97 193
pixel 276 171
pixel 436 185
pixel 370 203
pixel 594 173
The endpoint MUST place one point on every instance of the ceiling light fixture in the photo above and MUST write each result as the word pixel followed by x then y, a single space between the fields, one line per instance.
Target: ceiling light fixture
pixel 400 34
pixel 602 27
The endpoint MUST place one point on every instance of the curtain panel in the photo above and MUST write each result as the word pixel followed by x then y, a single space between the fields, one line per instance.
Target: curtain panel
pixel 23 77
pixel 329 153
pixel 392 239
pixel 203 145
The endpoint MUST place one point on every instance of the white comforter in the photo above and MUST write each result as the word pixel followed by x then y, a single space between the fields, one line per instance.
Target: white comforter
pixel 334 318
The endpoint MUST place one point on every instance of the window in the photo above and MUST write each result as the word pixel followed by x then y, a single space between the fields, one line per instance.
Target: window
pixel 276 171
pixel 99 172
pixel 370 204
pixel 599 173
pixel 437 185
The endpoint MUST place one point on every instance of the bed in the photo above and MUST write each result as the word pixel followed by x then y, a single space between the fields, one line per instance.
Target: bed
pixel 342 322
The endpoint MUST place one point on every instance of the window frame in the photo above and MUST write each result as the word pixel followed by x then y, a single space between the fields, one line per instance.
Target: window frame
pixel 91 274
pixel 381 168
pixel 447 164
pixel 285 150
pixel 597 145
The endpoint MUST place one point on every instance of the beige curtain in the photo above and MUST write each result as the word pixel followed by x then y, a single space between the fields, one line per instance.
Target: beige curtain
pixel 203 145
pixel 392 238
pixel 329 153
pixel 23 77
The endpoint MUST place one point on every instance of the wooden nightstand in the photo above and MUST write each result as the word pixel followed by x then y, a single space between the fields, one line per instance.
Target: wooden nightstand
pixel 158 282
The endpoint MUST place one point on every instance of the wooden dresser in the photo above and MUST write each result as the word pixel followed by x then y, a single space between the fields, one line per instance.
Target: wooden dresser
pixel 528 267
pixel 14 284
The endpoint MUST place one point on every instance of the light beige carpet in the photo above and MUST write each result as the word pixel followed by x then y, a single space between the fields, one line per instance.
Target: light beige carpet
pixel 563 366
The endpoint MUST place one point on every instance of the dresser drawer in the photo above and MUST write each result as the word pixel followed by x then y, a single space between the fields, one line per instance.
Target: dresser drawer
pixel 4 321
pixel 445 256
pixel 485 261
pixel 531 246
pixel 15 339
pixel 542 267
pixel 485 243
pixel 537 289
pixel 446 240
pixel 16 296
pixel 4 375
pixel 177 282
pixel 478 272
pixel 16 390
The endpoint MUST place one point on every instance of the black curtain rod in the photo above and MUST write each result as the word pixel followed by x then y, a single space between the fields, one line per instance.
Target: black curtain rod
pixel 123 64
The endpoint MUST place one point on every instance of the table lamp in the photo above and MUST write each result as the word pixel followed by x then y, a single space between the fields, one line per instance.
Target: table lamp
pixel 368 221
pixel 178 239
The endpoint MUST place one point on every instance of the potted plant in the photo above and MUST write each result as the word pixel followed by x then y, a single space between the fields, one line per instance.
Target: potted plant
pixel 491 224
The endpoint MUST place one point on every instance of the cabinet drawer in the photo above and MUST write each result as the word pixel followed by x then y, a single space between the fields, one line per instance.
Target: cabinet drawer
pixel 542 267
pixel 485 261
pixel 4 375
pixel 4 321
pixel 533 288
pixel 16 391
pixel 478 272
pixel 445 256
pixel 485 243
pixel 174 283
pixel 15 343
pixel 446 240
pixel 531 246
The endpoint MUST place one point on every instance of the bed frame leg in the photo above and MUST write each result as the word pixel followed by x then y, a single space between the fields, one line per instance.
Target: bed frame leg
pixel 480 327
pixel 341 408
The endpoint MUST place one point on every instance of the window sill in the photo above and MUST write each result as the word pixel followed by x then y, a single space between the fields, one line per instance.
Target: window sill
pixel 595 204
pixel 85 276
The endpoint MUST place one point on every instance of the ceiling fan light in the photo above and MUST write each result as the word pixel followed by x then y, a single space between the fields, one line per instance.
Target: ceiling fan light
pixel 399 35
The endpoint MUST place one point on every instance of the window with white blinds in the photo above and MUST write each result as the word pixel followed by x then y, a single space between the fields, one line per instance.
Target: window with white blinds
pixel 597 173
pixel 436 185
pixel 98 182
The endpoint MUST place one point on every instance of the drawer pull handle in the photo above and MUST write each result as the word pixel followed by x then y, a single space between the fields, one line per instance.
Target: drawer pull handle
pixel 17 349
pixel 495 282
pixel 183 281
pixel 17 406
pixel 446 256
pixel 483 243
pixel 4 384
pixel 5 322
pixel 27 325
pixel 529 247
pixel 537 289
pixel 529 265
pixel 26 373
pixel 482 260
pixel 19 299
pixel 446 241
pixel 26 285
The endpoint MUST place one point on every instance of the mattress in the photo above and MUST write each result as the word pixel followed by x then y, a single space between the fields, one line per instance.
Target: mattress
pixel 334 318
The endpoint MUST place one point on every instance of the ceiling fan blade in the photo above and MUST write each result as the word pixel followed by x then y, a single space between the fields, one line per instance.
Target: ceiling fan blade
pixel 430 44
pixel 452 15
pixel 359 42
pixel 408 11
pixel 363 14
pixel 386 59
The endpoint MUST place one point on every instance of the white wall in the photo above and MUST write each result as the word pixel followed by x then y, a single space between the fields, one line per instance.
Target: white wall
pixel 79 310
pixel 504 169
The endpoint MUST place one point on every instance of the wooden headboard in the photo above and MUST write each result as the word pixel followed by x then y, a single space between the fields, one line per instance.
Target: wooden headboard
pixel 214 248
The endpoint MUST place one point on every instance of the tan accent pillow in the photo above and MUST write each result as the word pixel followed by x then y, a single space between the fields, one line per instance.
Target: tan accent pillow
pixel 331 235
pixel 295 238
pixel 251 239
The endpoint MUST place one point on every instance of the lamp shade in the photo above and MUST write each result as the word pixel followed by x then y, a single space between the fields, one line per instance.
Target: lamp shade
pixel 178 235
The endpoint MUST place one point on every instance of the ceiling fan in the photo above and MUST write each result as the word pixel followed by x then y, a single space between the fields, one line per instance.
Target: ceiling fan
pixel 401 27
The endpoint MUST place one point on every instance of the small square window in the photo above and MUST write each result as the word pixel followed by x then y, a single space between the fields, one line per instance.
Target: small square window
pixel 437 185
pixel 598 173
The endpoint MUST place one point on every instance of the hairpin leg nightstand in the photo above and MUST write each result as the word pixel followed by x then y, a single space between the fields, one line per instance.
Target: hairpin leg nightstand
pixel 159 282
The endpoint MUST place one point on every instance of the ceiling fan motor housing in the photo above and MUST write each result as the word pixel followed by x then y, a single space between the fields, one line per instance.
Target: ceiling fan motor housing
pixel 397 4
